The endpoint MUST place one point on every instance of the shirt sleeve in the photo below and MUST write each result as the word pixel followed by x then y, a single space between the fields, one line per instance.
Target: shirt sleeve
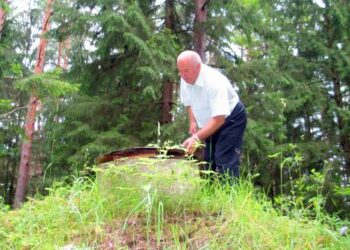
pixel 219 101
pixel 184 95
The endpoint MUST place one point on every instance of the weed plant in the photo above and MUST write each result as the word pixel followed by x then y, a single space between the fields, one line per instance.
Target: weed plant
pixel 159 204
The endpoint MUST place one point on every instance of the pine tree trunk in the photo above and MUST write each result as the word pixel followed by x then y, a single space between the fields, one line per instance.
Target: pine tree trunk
pixel 170 15
pixel 26 152
pixel 40 60
pixel 63 51
pixel 66 53
pixel 199 29
pixel 26 149
pixel 59 57
pixel 168 85
pixel 167 101
pixel 344 138
pixel 38 137
pixel 11 180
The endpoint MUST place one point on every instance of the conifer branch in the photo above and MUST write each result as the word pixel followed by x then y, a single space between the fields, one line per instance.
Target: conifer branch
pixel 12 111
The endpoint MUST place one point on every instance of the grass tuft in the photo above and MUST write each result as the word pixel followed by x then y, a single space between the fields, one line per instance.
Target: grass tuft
pixel 154 204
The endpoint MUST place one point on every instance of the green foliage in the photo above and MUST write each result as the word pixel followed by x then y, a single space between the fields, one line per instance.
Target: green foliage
pixel 282 67
pixel 4 6
pixel 5 104
pixel 165 204
pixel 176 131
pixel 11 102
pixel 49 84
pixel 311 191
pixel 289 62
pixel 121 81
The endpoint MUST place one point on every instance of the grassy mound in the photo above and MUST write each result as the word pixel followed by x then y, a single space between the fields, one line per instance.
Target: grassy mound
pixel 127 207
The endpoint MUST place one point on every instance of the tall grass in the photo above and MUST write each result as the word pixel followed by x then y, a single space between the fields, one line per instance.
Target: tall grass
pixel 149 204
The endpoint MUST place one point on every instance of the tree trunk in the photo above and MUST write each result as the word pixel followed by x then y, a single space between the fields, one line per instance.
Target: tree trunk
pixel 167 101
pixel 26 152
pixel 63 51
pixel 26 149
pixel 168 85
pixel 11 180
pixel 307 119
pixel 344 137
pixel 39 138
pixel 2 19
pixel 199 35
pixel 39 66
pixel 66 53
pixel 59 56
pixel 170 15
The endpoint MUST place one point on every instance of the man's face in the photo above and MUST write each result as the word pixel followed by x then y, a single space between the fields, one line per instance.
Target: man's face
pixel 188 72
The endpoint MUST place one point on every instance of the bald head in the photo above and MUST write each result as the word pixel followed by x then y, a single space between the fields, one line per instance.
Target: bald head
pixel 189 56
pixel 189 65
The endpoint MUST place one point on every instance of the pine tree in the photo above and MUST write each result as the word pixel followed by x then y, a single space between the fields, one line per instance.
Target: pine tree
pixel 121 78
pixel 26 149
pixel 199 34
pixel 288 73
pixel 336 37
pixel 168 88
pixel 12 107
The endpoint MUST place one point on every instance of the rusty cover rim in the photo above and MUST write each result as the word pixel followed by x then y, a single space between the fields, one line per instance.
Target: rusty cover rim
pixel 140 152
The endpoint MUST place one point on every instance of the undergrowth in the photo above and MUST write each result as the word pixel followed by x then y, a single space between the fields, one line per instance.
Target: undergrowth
pixel 160 204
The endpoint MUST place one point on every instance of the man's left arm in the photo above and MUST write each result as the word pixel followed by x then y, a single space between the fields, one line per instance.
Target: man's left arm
pixel 210 128
pixel 219 109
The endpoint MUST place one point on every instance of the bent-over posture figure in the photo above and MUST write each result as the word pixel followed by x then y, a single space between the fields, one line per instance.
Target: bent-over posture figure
pixel 215 112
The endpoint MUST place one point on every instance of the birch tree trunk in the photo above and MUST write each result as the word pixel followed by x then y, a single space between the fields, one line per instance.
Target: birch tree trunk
pixel 27 143
pixel 199 36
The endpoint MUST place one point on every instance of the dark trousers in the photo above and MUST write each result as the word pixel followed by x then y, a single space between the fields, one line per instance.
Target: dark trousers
pixel 223 148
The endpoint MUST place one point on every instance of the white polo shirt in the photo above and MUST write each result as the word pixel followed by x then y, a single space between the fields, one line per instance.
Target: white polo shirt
pixel 211 95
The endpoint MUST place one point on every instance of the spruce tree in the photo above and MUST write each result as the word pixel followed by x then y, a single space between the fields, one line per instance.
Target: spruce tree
pixel 121 74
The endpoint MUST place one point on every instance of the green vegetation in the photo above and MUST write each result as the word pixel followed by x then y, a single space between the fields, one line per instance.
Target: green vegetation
pixel 161 204
pixel 290 63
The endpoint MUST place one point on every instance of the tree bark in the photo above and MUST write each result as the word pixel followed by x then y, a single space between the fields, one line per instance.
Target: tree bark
pixel 26 149
pixel 344 138
pixel 26 152
pixel 168 85
pixel 66 53
pixel 167 101
pixel 170 15
pixel 199 36
pixel 39 66
pixel 63 51
pixel 39 138
pixel 59 57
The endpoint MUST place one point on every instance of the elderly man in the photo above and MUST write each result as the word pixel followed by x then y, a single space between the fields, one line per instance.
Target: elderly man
pixel 215 112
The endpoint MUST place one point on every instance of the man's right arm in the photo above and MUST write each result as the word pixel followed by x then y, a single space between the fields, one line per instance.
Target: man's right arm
pixel 192 121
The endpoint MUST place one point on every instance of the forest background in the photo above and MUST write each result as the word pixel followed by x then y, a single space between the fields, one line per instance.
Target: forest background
pixel 110 82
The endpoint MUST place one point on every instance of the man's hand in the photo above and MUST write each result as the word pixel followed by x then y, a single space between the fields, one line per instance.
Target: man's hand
pixel 193 128
pixel 191 144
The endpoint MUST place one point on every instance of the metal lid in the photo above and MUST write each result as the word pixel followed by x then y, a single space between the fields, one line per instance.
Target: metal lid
pixel 141 152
